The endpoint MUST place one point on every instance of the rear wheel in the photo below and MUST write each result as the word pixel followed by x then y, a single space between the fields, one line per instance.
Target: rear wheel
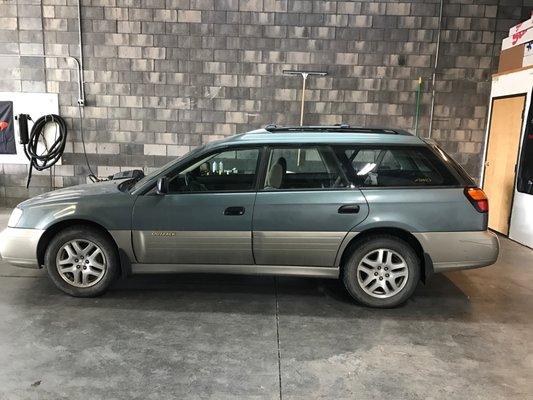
pixel 382 271
pixel 82 261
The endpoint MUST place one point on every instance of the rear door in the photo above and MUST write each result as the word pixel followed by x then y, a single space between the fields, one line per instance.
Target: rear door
pixel 304 208
pixel 410 188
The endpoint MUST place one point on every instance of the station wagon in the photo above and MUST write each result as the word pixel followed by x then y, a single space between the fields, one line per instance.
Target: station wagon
pixel 379 209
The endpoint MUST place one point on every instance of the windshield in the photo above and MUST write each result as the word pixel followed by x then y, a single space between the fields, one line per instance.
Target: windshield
pixel 156 172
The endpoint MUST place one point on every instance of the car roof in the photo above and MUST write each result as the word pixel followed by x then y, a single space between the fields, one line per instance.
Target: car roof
pixel 322 135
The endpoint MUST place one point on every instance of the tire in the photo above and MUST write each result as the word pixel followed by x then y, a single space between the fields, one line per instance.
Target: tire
pixel 87 271
pixel 386 257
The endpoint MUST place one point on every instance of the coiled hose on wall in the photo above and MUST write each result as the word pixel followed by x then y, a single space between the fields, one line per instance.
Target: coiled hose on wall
pixel 53 151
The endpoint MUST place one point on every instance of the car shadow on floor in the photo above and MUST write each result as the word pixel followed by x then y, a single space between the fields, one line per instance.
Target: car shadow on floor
pixel 439 299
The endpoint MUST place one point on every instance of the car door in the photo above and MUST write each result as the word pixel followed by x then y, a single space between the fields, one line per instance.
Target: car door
pixel 206 216
pixel 305 208
pixel 409 187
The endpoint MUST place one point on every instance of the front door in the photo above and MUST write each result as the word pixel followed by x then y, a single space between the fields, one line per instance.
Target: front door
pixel 206 217
pixel 304 209
pixel 502 153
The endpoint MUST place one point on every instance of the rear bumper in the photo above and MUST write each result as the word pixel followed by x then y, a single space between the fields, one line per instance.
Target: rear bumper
pixel 452 251
pixel 18 246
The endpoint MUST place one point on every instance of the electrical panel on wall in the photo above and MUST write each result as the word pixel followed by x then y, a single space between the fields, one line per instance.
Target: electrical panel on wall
pixel 14 103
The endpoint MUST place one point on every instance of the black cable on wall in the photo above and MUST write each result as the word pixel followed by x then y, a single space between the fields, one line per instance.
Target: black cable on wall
pixel 53 151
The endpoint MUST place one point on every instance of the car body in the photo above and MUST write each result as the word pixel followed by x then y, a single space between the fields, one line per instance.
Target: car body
pixel 276 201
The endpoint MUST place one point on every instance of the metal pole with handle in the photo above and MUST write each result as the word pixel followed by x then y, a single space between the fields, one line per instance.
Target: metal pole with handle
pixel 304 80
pixel 304 75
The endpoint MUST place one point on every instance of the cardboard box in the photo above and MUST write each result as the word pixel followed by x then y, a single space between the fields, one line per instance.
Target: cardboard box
pixel 511 58
pixel 528 55
pixel 522 26
pixel 517 39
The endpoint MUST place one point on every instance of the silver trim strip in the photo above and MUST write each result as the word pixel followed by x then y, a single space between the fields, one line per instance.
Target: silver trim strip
pixel 297 247
pixel 453 251
pixel 189 247
pixel 18 246
pixel 279 270
pixel 460 265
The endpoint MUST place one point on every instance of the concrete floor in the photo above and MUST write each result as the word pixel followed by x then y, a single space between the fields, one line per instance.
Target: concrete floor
pixel 465 335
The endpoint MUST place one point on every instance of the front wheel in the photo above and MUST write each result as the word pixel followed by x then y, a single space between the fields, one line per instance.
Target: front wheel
pixel 381 272
pixel 81 261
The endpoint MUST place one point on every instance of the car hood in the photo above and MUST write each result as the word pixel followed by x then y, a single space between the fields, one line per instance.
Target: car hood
pixel 74 193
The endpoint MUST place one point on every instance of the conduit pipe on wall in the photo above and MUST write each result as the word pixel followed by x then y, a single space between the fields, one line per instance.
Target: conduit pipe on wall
pixel 81 99
pixel 81 93
pixel 417 109
pixel 81 96
pixel 79 63
pixel 435 66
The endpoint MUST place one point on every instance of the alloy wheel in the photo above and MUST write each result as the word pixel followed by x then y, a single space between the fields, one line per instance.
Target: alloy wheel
pixel 81 263
pixel 382 273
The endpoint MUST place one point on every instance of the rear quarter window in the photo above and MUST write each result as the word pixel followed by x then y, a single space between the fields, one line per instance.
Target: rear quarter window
pixel 390 166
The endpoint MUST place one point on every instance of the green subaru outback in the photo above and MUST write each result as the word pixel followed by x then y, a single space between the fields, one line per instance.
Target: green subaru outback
pixel 379 209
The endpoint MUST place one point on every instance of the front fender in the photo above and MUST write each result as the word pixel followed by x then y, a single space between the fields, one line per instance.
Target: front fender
pixel 113 212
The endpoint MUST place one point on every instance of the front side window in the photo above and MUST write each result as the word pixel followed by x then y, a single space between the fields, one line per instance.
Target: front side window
pixel 148 177
pixel 394 166
pixel 230 170
pixel 303 168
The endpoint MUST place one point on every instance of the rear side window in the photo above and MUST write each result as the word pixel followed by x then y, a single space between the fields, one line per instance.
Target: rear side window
pixel 394 166
pixel 303 168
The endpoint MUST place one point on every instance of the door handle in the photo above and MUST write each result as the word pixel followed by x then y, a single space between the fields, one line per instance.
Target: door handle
pixel 234 211
pixel 349 209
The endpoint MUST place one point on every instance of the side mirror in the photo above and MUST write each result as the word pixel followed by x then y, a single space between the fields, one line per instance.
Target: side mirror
pixel 162 185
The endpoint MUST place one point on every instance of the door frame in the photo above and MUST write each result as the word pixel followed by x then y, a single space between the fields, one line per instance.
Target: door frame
pixel 486 150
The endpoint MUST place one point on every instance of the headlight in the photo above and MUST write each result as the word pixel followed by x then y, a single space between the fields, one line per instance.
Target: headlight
pixel 14 218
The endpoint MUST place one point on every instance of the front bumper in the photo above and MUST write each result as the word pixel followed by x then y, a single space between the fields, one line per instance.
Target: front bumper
pixel 18 246
pixel 453 251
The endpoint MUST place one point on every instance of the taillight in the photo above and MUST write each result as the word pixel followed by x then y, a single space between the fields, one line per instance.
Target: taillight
pixel 478 198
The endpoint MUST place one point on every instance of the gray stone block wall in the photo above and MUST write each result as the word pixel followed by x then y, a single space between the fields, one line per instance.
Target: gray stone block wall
pixel 163 76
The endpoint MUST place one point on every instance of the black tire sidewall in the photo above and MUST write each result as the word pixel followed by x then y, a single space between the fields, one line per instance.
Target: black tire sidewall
pixel 349 271
pixel 82 233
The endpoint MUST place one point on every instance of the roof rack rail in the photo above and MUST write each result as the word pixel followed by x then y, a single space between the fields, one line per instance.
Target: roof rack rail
pixel 333 128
